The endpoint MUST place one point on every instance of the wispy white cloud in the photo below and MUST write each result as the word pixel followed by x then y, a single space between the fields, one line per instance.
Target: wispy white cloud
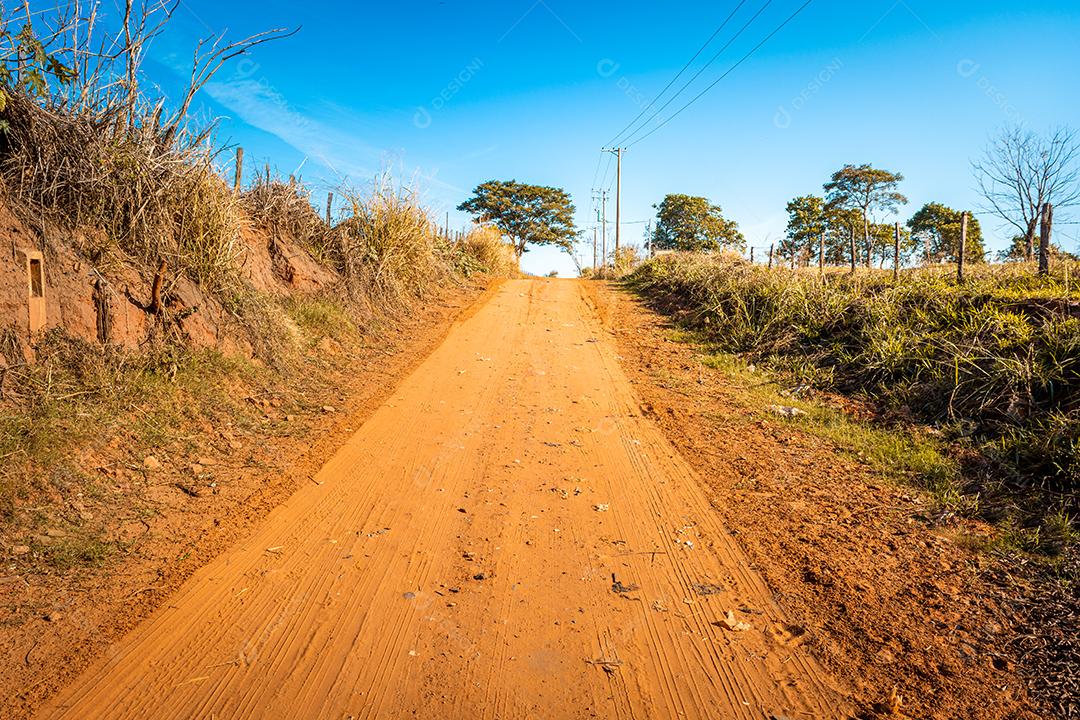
pixel 259 105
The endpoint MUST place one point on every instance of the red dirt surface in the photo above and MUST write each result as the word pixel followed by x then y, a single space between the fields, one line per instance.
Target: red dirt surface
pixel 558 513
pixel 507 536
pixel 882 598
pixel 53 624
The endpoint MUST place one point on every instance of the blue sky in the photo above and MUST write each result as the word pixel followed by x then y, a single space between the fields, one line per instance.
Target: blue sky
pixel 450 94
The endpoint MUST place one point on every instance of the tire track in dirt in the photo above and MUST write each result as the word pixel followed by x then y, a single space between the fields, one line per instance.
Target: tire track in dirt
pixel 457 559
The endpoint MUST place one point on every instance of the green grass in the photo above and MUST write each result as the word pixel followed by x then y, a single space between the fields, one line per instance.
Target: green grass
pixel 898 453
pixel 320 317
pixel 77 397
pixel 78 551
pixel 992 365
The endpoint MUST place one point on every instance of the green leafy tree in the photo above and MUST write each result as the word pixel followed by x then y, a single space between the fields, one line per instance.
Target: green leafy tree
pixel 686 222
pixel 1017 251
pixel 526 214
pixel 936 229
pixel 884 235
pixel 841 227
pixel 868 190
pixel 806 223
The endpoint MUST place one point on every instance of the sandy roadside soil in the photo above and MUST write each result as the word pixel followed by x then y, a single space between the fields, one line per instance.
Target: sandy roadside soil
pixel 888 598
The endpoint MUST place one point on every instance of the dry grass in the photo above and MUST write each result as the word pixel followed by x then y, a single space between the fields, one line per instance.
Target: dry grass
pixel 484 250
pixel 388 248
pixel 152 201
pixel 284 210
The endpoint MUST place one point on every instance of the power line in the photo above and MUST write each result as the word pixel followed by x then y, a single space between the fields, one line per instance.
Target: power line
pixel 685 67
pixel 731 69
pixel 701 70
pixel 607 168
pixel 596 173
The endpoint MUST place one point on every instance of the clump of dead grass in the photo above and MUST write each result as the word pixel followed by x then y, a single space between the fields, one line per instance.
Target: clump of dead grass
pixel 484 250
pixel 284 210
pixel 388 248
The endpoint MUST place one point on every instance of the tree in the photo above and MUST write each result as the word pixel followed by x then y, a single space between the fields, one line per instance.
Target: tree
pixel 686 222
pixel 1020 171
pixel 884 236
pixel 526 214
pixel 841 225
pixel 1016 252
pixel 936 229
pixel 806 223
pixel 866 189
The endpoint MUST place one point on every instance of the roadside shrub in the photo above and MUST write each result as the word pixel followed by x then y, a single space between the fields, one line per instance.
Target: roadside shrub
pixel 151 200
pixel 387 248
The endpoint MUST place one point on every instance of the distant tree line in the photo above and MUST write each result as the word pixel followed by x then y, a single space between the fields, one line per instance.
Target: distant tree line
pixel 1018 173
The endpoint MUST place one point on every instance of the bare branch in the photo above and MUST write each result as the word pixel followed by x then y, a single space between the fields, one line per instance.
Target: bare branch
pixel 1020 171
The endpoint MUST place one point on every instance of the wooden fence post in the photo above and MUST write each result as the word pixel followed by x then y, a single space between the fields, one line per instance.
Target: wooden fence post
pixel 751 254
pixel 896 254
pixel 329 205
pixel 771 254
pixel 239 169
pixel 1046 223
pixel 963 247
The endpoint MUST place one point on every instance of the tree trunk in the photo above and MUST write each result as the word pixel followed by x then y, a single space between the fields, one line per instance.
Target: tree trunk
pixel 866 240
pixel 851 231
pixel 1029 239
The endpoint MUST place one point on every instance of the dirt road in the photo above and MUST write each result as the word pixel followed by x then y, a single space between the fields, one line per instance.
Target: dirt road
pixel 508 536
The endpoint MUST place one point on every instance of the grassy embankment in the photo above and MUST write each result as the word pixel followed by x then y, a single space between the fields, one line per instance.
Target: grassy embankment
pixel 128 197
pixel 974 388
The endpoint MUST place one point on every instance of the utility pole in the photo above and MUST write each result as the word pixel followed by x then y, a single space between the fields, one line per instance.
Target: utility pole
pixel 603 229
pixel 595 230
pixel 601 216
pixel 617 152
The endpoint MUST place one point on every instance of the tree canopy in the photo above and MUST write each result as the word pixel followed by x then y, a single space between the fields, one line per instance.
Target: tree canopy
pixel 806 224
pixel 687 222
pixel 936 230
pixel 866 189
pixel 808 217
pixel 526 214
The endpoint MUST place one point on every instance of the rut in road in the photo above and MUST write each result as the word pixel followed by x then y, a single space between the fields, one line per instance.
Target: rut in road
pixel 456 559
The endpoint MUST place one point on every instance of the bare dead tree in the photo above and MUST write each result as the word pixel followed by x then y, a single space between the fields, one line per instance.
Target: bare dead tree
pixel 1020 171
